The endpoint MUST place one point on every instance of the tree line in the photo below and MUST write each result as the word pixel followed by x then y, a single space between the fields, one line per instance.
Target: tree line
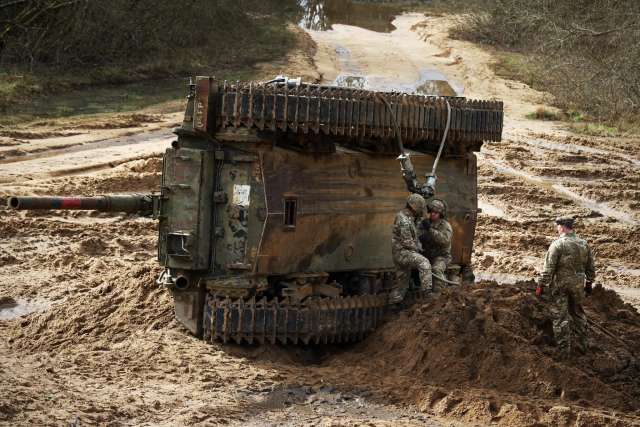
pixel 585 52
pixel 68 33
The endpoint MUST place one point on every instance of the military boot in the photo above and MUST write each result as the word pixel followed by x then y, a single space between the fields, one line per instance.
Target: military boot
pixel 396 296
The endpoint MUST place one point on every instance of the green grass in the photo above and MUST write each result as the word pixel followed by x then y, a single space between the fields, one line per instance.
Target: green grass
pixel 50 92
pixel 516 66
pixel 543 113
pixel 595 129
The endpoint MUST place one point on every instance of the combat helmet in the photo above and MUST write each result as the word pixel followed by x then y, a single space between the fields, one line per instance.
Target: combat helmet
pixel 567 221
pixel 437 205
pixel 417 203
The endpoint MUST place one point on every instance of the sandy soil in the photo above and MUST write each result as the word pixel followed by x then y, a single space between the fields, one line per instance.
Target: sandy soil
pixel 88 338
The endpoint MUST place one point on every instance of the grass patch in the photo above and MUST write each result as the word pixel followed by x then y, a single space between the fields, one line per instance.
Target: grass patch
pixel 518 67
pixel 595 129
pixel 134 82
pixel 543 113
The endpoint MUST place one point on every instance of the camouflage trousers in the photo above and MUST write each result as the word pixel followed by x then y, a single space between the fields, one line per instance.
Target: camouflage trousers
pixel 439 266
pixel 569 319
pixel 405 263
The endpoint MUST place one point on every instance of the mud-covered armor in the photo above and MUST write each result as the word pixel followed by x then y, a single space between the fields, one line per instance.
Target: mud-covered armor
pixel 277 198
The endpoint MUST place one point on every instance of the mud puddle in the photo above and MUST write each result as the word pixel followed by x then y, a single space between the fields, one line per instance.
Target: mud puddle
pixel 500 278
pixel 565 148
pixel 357 57
pixel 489 209
pixel 430 82
pixel 630 295
pixel 12 309
pixel 321 15
pixel 292 405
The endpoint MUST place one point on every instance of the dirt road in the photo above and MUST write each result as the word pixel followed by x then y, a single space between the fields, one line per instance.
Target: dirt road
pixel 87 337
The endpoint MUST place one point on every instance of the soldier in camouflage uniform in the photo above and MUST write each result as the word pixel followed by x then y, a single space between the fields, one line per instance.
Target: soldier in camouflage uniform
pixel 568 274
pixel 435 236
pixel 406 248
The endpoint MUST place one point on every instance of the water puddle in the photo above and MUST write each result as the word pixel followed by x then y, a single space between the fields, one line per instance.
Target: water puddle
pixel 352 55
pixel 355 82
pixel 436 87
pixel 499 278
pixel 433 82
pixel 321 15
pixel 491 210
pixel 628 295
pixel 430 83
pixel 12 309
pixel 566 148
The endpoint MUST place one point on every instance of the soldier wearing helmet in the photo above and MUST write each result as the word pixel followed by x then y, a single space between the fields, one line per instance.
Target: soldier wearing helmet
pixel 406 248
pixel 435 237
pixel 568 274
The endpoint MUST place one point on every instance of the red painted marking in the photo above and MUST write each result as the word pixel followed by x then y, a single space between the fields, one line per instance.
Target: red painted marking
pixel 70 203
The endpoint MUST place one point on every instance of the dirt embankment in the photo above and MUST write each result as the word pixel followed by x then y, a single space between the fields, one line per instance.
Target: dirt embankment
pixel 486 354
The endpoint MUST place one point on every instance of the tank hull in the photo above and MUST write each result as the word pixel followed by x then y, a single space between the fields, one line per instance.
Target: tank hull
pixel 288 223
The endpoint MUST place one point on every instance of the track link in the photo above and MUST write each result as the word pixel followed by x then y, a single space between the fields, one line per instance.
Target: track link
pixel 354 116
pixel 321 321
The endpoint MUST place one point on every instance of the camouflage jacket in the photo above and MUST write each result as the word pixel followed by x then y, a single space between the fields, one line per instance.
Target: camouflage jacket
pixel 436 240
pixel 404 236
pixel 568 262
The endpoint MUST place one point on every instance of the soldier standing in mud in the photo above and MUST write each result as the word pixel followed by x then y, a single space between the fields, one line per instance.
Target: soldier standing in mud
pixel 435 236
pixel 406 248
pixel 568 273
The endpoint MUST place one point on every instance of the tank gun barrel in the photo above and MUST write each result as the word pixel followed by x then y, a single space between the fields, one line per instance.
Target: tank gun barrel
pixel 142 204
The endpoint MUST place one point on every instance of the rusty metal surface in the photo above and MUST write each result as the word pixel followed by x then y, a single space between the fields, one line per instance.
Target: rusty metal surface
pixel 327 320
pixel 316 321
pixel 185 227
pixel 346 205
pixel 351 116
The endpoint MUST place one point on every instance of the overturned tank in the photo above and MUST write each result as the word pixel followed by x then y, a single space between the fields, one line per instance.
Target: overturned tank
pixel 277 202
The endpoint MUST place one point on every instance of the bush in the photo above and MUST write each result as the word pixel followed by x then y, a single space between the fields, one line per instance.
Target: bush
pixel 543 113
pixel 81 33
pixel 585 52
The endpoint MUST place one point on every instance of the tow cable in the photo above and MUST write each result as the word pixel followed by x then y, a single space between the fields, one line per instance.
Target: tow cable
pixel 428 189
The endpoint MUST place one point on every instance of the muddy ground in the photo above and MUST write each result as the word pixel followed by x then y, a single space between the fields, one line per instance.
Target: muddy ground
pixel 87 337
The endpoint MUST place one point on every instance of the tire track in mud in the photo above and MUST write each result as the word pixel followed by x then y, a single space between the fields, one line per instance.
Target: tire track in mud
pixel 551 184
pixel 87 157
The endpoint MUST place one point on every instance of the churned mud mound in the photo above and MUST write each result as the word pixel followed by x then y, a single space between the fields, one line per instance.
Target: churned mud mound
pixel 107 310
pixel 486 354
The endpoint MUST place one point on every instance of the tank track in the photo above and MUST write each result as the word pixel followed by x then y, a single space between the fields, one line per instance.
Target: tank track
pixel 321 321
pixel 354 115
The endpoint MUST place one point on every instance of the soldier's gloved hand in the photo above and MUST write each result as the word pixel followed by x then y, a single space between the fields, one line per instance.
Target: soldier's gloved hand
pixel 538 291
pixel 426 224
pixel 588 288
